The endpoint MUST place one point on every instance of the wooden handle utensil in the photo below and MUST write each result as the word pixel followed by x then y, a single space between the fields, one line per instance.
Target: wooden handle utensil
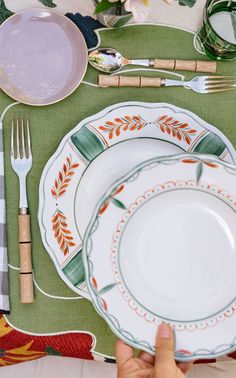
pixel 199 84
pixel 186 65
pixel 128 81
pixel 110 61
pixel 26 274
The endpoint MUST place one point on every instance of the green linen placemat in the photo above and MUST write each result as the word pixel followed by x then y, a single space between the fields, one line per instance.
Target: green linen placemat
pixel 53 311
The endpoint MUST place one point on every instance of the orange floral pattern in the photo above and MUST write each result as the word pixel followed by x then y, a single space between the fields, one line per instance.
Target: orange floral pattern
pixel 167 124
pixel 64 177
pixel 194 161
pixel 95 286
pixel 111 199
pixel 181 131
pixel 123 124
pixel 61 232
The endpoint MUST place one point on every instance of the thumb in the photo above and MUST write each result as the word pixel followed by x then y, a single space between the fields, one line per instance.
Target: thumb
pixel 165 346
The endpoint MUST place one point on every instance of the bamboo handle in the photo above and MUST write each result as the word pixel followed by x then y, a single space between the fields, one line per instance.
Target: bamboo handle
pixel 128 81
pixel 26 274
pixel 186 65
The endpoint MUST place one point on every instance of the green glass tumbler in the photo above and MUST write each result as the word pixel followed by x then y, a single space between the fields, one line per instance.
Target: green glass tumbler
pixel 218 33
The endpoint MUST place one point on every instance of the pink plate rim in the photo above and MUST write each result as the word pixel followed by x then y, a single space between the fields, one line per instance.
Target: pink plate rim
pixel 35 9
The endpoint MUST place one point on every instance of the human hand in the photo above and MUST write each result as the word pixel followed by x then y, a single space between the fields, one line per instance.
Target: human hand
pixel 147 366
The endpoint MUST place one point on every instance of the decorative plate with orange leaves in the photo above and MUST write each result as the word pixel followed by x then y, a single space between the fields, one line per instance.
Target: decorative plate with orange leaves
pixel 161 247
pixel 94 154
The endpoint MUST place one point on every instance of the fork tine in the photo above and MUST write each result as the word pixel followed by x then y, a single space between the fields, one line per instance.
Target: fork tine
pixel 17 139
pixel 22 138
pixel 219 90
pixel 28 137
pixel 220 81
pixel 226 85
pixel 12 139
pixel 220 77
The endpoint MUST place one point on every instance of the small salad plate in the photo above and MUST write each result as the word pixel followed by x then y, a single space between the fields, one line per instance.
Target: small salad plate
pixel 43 56
pixel 164 235
pixel 97 151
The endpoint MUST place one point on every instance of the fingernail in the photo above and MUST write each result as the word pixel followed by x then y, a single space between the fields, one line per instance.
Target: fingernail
pixel 164 331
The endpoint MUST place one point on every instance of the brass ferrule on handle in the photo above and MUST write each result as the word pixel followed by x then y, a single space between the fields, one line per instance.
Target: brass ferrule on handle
pixel 129 81
pixel 26 273
pixel 185 65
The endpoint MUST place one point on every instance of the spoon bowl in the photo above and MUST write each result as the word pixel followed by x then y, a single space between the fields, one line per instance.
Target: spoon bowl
pixel 106 60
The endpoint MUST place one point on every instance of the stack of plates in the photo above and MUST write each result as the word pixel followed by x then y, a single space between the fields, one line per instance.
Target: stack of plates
pixel 139 216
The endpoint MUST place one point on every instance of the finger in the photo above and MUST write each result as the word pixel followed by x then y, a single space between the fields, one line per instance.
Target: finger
pixel 185 366
pixel 124 352
pixel 142 373
pixel 165 345
pixel 146 373
pixel 146 357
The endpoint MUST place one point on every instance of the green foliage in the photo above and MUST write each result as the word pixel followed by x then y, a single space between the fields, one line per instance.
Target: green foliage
pixel 104 5
pixel 48 3
pixel 188 3
pixel 4 12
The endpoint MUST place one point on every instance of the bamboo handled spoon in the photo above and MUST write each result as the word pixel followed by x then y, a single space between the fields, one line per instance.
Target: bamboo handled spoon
pixel 110 60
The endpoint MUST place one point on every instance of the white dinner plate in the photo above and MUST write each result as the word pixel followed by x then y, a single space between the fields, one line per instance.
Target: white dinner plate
pixel 161 246
pixel 43 56
pixel 97 151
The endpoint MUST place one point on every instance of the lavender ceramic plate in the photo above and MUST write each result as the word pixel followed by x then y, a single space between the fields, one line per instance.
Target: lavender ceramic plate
pixel 43 57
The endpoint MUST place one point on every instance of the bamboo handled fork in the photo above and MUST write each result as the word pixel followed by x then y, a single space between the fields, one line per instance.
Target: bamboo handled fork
pixel 199 84
pixel 21 161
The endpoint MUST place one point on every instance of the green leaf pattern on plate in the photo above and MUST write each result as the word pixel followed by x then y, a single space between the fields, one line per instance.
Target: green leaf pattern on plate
pixel 107 288
pixel 199 171
pixel 118 203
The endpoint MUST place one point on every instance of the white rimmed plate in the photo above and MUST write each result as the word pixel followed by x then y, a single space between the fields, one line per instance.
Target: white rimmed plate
pixel 97 151
pixel 164 234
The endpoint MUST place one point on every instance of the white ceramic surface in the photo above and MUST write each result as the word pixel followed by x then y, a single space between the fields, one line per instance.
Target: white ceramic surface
pixel 43 56
pixel 97 151
pixel 112 163
pixel 163 247
pixel 164 234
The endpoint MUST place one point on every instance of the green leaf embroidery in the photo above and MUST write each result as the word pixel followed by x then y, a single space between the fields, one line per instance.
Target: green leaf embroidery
pixel 51 351
pixel 118 203
pixel 48 3
pixel 106 289
pixel 199 171
pixel 188 3
pixel 104 5
pixel 4 12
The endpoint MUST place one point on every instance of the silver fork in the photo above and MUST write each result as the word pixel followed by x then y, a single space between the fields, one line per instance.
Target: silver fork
pixel 21 161
pixel 204 84
pixel 199 84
